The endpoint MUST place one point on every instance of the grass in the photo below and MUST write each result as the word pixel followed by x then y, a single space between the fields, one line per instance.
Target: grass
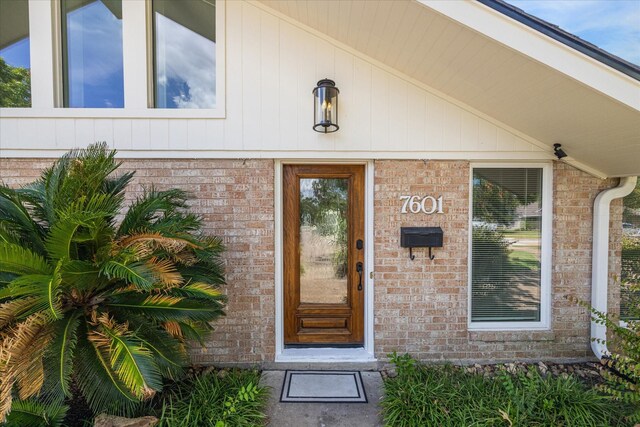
pixel 448 396
pixel 524 259
pixel 218 399
pixel 522 234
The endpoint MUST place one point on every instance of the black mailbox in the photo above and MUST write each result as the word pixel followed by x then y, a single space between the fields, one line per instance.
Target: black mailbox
pixel 421 237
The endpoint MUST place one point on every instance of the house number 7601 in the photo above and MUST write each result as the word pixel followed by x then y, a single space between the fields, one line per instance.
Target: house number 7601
pixel 417 204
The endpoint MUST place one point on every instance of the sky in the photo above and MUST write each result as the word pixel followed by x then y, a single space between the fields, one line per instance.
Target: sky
pixel 613 25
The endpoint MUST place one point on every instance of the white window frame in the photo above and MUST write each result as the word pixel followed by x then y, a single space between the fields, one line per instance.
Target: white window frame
pixel 545 252
pixel 46 71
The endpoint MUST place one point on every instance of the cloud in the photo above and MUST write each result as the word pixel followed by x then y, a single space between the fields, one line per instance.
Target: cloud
pixel 184 56
pixel 94 44
pixel 613 25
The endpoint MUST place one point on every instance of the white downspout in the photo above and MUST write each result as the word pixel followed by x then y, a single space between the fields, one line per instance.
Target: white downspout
pixel 600 261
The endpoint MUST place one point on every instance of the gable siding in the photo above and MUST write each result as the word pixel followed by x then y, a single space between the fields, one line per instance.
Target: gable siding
pixel 272 66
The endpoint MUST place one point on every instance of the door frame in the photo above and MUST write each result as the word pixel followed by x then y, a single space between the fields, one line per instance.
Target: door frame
pixel 326 354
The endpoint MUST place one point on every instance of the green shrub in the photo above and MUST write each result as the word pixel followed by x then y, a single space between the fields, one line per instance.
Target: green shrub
pixel 101 304
pixel 448 396
pixel 220 399
pixel 623 382
pixel 490 253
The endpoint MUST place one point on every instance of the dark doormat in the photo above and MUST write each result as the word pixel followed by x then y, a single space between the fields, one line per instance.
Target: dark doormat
pixel 323 387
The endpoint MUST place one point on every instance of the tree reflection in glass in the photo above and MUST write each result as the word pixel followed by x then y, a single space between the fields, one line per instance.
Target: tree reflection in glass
pixel 323 240
pixel 506 244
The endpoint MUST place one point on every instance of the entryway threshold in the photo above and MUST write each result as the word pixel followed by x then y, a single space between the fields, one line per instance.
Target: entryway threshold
pixel 325 355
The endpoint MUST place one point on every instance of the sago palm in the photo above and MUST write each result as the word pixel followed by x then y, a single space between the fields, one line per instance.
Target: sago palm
pixel 96 296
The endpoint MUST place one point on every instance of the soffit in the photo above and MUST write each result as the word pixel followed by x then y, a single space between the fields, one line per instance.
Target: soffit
pixel 597 129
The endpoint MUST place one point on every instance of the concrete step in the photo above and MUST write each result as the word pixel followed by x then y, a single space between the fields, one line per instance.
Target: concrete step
pixel 287 414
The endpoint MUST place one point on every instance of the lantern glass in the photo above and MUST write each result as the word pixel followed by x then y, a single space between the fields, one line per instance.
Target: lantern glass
pixel 325 107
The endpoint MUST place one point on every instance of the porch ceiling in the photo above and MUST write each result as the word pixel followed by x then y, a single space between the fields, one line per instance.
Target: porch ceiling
pixel 498 66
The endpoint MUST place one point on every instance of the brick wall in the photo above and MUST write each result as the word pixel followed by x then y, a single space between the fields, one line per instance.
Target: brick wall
pixel 235 199
pixel 421 305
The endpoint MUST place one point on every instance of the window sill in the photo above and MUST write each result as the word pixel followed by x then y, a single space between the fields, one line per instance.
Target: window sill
pixel 113 113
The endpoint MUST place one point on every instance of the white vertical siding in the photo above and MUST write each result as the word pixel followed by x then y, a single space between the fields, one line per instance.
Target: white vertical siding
pixel 272 66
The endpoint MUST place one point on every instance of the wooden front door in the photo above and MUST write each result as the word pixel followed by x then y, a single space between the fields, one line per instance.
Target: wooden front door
pixel 324 278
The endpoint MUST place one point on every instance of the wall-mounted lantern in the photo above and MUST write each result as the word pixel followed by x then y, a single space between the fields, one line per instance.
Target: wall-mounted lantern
pixel 325 107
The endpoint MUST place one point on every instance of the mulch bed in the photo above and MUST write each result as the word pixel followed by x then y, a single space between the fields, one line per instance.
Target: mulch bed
pixel 588 372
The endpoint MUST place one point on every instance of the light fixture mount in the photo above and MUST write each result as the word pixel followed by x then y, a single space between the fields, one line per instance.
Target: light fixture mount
pixel 558 151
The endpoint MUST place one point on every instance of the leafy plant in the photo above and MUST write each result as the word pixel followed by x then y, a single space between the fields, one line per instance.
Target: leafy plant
pixel 445 395
pixel 28 413
pixel 88 299
pixel 623 381
pixel 221 399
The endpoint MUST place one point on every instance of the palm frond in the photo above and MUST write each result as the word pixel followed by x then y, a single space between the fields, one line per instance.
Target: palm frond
pixel 45 287
pixel 9 233
pixel 128 357
pixel 31 413
pixel 164 308
pixel 59 240
pixel 136 273
pixel 18 309
pixel 116 186
pixel 13 211
pixel 19 260
pixel 200 290
pixel 156 240
pixel 204 272
pixel 33 196
pixel 195 331
pixel 177 223
pixel 165 271
pixel 98 383
pixel 81 275
pixel 169 353
pixel 173 328
pixel 24 349
pixel 149 208
pixel 59 358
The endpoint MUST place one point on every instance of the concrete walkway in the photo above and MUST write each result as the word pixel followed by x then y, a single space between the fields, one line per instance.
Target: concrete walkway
pixel 323 414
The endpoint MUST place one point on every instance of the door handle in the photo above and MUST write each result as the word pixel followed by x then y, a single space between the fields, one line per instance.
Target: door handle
pixel 359 269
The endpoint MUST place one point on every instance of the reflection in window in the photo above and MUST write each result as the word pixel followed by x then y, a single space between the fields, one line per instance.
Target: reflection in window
pixel 15 64
pixel 323 240
pixel 92 53
pixel 630 271
pixel 506 244
pixel 184 53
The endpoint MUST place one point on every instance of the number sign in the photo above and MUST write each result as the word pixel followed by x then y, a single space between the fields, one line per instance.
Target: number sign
pixel 417 204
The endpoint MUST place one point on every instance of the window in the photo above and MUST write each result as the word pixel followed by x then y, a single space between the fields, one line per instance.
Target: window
pixel 92 53
pixel 15 63
pixel 509 265
pixel 630 277
pixel 184 51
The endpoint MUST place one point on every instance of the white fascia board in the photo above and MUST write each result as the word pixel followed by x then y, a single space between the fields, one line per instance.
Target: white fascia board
pixel 541 48
pixel 503 156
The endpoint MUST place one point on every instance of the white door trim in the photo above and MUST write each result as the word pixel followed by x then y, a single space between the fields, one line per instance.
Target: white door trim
pixel 363 354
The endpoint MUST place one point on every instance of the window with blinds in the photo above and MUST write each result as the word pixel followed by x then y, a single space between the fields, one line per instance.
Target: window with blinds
pixel 506 244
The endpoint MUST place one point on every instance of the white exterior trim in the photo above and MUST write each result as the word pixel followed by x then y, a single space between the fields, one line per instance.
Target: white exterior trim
pixel 46 67
pixel 546 251
pixel 333 156
pixel 540 47
pixel 327 354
